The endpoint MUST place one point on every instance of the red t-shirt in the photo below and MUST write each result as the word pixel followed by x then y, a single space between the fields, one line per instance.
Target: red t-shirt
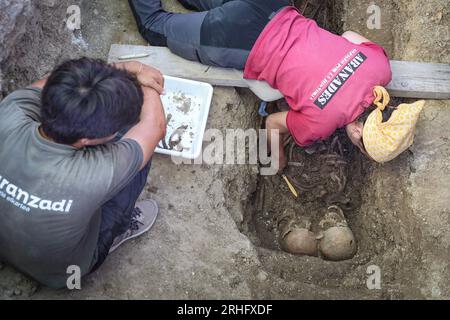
pixel 326 80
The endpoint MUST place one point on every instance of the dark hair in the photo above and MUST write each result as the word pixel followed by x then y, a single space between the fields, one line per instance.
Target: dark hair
pixel 88 98
pixel 386 113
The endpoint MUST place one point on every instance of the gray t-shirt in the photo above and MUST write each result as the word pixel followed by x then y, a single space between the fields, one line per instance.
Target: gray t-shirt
pixel 51 194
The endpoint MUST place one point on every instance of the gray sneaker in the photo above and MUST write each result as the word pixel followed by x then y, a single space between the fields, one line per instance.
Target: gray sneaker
pixel 143 218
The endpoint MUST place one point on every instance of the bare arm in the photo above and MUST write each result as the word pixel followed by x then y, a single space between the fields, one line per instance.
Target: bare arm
pixel 354 37
pixel 146 75
pixel 40 84
pixel 152 125
pixel 276 123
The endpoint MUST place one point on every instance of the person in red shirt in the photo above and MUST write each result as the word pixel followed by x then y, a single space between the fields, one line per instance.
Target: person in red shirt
pixel 327 79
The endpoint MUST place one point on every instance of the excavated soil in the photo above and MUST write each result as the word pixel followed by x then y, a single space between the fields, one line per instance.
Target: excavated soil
pixel 216 236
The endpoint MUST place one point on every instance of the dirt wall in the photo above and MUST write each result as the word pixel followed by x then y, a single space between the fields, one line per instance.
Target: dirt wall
pixel 405 216
pixel 32 34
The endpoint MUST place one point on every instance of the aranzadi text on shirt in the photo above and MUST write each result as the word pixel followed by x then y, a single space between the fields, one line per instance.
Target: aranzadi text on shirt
pixel 26 201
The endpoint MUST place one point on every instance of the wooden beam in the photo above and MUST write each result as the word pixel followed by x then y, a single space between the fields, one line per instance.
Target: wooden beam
pixel 175 66
pixel 420 80
pixel 410 79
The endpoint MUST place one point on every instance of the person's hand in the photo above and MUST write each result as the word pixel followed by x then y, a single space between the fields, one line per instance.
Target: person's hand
pixel 150 77
pixel 147 76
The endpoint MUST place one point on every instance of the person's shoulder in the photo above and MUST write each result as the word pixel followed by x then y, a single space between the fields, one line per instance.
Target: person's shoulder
pixel 20 99
pixel 380 62
pixel 104 167
pixel 113 164
pixel 25 95
pixel 12 108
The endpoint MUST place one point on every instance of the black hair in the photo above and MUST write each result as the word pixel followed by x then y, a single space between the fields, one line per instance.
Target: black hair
pixel 387 112
pixel 88 98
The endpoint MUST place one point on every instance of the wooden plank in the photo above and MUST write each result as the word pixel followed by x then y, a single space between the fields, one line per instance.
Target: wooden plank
pixel 420 80
pixel 410 79
pixel 175 66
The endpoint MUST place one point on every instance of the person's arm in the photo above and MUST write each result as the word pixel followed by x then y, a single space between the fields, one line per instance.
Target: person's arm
pixel 276 123
pixel 151 127
pixel 354 37
pixel 146 75
pixel 40 84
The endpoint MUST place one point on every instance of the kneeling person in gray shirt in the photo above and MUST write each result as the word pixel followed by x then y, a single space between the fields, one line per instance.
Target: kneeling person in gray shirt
pixel 75 152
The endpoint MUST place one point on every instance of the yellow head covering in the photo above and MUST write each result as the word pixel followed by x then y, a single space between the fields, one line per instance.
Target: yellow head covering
pixel 384 141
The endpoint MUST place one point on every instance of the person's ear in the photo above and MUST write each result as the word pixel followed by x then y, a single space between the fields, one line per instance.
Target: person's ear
pixel 81 143
pixel 359 128
pixel 85 142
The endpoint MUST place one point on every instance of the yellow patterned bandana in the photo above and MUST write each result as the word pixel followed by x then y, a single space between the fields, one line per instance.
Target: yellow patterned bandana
pixel 385 141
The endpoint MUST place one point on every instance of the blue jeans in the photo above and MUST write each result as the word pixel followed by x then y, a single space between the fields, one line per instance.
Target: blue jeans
pixel 117 212
pixel 221 33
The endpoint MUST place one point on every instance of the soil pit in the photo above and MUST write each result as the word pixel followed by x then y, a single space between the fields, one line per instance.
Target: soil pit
pixel 328 174
pixel 335 173
pixel 332 175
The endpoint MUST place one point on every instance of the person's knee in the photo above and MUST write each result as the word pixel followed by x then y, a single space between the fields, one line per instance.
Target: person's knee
pixel 154 38
pixel 147 17
pixel 271 122
pixel 187 4
pixel 277 121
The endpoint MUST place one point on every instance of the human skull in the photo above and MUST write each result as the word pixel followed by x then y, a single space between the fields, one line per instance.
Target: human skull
pixel 338 244
pixel 294 234
pixel 333 218
pixel 301 242
pixel 336 240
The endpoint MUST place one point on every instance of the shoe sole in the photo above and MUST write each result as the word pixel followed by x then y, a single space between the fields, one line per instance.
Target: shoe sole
pixel 112 249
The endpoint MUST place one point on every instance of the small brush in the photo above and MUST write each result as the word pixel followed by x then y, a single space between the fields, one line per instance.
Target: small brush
pixel 134 56
pixel 291 187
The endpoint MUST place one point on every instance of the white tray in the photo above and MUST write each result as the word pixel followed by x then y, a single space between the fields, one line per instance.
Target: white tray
pixel 187 105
